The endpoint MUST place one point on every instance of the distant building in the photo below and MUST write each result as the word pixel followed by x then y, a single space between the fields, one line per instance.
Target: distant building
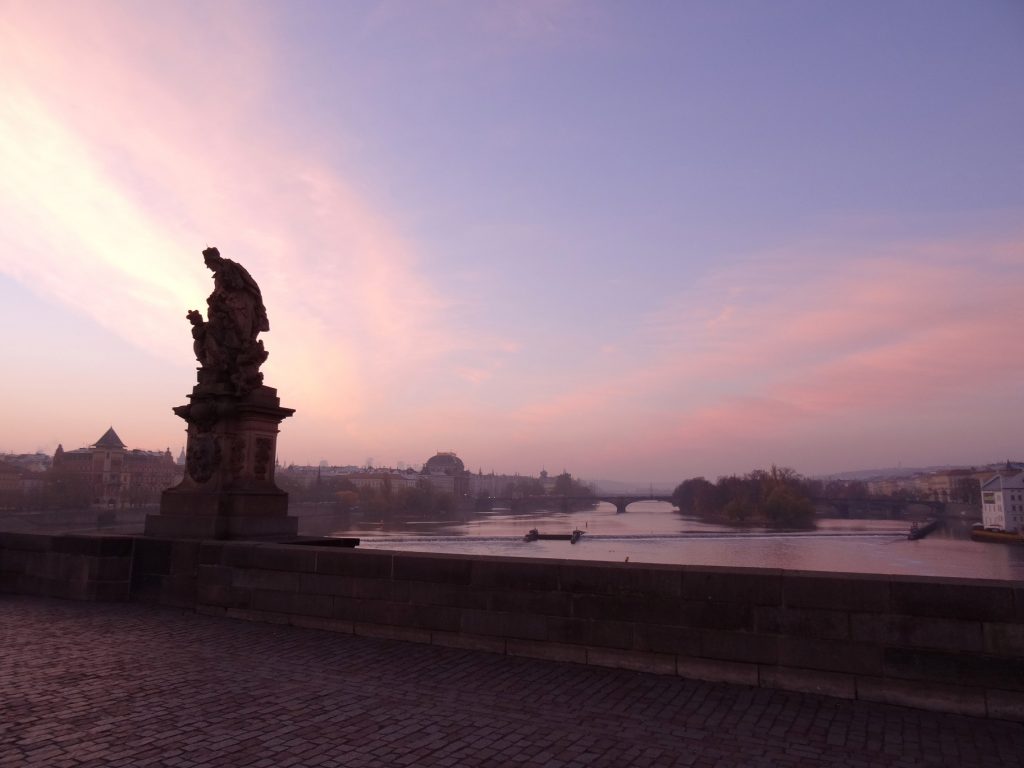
pixel 447 474
pixel 380 479
pixel 10 477
pixel 117 476
pixel 1002 502
pixel 30 462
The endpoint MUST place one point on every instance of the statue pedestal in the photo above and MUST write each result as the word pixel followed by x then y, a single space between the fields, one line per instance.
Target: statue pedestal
pixel 228 491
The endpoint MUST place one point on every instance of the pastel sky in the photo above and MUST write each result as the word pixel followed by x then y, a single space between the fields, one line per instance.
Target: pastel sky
pixel 638 241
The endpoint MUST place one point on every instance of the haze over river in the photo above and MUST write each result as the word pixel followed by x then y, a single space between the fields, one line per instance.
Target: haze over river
pixel 651 532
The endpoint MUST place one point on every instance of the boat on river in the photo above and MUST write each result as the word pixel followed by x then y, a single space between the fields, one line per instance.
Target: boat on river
pixel 534 535
pixel 919 530
pixel 1002 537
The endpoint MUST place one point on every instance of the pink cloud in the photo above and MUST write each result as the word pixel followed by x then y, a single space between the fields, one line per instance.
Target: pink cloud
pixel 131 137
pixel 782 356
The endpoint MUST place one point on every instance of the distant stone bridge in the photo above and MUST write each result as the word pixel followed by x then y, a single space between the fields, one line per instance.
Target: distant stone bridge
pixel 565 503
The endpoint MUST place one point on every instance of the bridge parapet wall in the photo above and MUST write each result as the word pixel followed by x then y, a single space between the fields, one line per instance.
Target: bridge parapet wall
pixel 936 643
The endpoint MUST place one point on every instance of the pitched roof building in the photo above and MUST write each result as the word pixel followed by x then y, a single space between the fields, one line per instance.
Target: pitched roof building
pixel 117 476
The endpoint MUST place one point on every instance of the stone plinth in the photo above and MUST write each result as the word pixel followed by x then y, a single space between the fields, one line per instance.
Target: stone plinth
pixel 228 491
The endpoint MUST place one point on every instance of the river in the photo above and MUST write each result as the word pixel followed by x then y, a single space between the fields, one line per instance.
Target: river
pixel 651 532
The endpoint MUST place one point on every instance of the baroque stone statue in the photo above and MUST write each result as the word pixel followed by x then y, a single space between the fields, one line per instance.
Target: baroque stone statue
pixel 225 343
pixel 228 491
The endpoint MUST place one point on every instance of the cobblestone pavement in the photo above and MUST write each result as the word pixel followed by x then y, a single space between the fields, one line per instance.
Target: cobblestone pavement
pixel 131 685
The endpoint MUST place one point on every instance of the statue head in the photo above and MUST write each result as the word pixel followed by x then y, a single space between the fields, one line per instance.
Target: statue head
pixel 212 258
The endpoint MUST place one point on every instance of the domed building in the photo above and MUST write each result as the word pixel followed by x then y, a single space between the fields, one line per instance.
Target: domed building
pixel 444 463
pixel 446 472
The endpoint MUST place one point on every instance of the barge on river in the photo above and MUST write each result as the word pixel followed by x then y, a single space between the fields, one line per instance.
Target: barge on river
pixel 534 535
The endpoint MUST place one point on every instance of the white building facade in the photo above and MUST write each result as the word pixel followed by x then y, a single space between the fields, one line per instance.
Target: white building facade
pixel 1002 503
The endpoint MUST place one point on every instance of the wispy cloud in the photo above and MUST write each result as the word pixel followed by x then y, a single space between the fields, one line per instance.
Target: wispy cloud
pixel 109 193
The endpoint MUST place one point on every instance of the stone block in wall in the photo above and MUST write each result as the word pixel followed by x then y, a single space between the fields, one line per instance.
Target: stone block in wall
pixel 468 642
pixel 509 625
pixel 425 617
pixel 840 592
pixel 292 602
pixel 955 599
pixel 716 615
pixel 145 587
pixel 18 560
pixel 1018 603
pixel 325 584
pixel 96 546
pixel 110 591
pixel 211 552
pixel 222 595
pixel 236 554
pixel 823 683
pixel 750 647
pixel 717 671
pixel 515 574
pixel 617 579
pixel 802 622
pixel 938 697
pixel 534 649
pixel 179 591
pixel 25 542
pixel 606 634
pixel 751 586
pixel 322 623
pixel 390 632
pixel 372 611
pixel 1004 639
pixel 956 668
pixel 916 632
pixel 429 567
pixel 248 614
pixel 519 601
pixel 454 595
pixel 366 564
pixel 566 630
pixel 216 574
pixel 152 556
pixel 185 557
pixel 110 568
pixel 830 655
pixel 622 608
pixel 1005 705
pixel 281 557
pixel 660 638
pixel 280 581
pixel 638 661
pixel 525 626
pixel 379 589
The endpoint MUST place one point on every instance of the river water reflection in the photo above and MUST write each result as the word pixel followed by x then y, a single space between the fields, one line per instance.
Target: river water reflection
pixel 651 532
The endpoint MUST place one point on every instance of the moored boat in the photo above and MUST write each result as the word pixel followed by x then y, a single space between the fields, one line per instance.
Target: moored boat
pixel 534 535
pixel 1001 537
pixel 919 531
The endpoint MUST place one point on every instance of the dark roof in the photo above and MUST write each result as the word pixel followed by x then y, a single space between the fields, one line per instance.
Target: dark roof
pixel 110 440
pixel 444 463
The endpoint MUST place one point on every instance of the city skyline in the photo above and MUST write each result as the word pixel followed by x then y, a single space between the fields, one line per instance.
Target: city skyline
pixel 639 244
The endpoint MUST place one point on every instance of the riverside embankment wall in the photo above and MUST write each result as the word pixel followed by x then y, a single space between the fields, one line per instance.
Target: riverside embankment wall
pixel 937 643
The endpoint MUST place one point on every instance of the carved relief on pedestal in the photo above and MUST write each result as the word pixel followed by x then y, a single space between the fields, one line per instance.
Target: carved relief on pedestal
pixel 264 453
pixel 237 456
pixel 202 457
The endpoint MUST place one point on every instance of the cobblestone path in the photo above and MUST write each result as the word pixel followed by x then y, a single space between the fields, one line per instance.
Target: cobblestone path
pixel 130 685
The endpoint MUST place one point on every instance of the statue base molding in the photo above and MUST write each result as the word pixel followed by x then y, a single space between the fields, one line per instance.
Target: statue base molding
pixel 228 491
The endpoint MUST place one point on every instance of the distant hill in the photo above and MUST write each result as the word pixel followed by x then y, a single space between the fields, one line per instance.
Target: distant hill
pixel 873 474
